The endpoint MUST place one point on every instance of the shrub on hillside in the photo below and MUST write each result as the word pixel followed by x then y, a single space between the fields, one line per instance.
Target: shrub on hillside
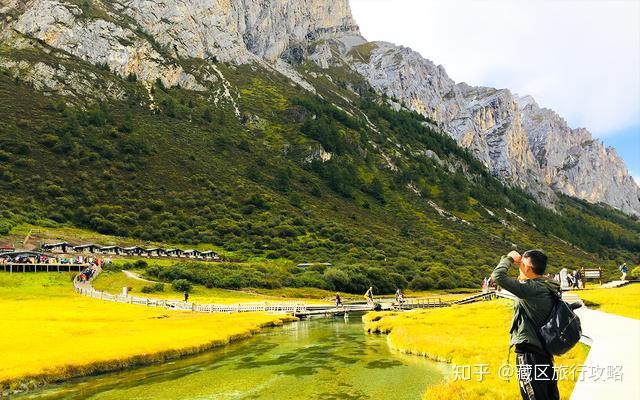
pixel 5 227
pixel 421 283
pixel 181 285
pixel 158 287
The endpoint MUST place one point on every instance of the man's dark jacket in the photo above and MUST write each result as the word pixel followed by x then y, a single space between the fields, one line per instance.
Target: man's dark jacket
pixel 534 296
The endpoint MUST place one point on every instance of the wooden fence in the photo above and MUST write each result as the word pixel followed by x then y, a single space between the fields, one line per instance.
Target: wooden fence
pixel 291 307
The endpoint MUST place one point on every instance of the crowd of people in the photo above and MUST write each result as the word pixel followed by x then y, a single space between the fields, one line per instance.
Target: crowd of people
pixel 87 273
pixel 48 259
pixel 573 278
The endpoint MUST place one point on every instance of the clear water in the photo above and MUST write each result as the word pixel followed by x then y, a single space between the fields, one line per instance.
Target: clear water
pixel 319 359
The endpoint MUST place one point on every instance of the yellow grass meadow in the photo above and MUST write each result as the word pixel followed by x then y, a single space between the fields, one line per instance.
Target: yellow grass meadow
pixel 623 301
pixel 468 335
pixel 49 333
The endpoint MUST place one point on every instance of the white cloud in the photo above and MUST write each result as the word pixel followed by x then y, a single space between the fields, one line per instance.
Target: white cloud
pixel 580 58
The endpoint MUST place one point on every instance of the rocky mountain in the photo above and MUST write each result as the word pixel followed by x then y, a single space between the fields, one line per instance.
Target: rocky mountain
pixel 575 163
pixel 519 141
pixel 148 38
pixel 181 43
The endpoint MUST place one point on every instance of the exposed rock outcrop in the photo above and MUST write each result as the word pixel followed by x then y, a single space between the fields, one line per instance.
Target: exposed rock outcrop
pixel 575 163
pixel 148 38
pixel 517 140
pixel 180 41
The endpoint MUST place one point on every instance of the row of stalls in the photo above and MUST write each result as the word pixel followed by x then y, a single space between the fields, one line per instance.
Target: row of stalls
pixel 12 260
pixel 66 248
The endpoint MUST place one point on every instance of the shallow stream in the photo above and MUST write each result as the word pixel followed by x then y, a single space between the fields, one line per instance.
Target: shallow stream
pixel 319 359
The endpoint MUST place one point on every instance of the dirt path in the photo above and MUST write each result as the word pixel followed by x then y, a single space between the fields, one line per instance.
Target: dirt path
pixel 135 276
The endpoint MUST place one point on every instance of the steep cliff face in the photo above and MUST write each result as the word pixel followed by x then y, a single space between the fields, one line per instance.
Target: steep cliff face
pixel 233 30
pixel 519 141
pixel 179 42
pixel 485 120
pixel 149 38
pixel 574 163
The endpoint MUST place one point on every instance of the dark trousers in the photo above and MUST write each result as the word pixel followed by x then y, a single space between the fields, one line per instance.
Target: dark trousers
pixel 536 376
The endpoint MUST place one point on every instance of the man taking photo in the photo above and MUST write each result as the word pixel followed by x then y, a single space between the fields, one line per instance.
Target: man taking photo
pixel 535 300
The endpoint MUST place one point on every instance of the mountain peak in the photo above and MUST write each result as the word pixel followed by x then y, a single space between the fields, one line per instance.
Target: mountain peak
pixel 181 43
pixel 512 135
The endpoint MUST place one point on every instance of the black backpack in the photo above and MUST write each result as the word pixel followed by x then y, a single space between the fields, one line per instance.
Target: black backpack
pixel 562 330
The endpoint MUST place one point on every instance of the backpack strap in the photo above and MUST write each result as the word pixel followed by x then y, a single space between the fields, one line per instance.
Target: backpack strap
pixel 557 297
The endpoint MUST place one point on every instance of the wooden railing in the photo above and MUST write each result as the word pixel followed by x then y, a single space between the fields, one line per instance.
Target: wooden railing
pixel 85 289
pixel 425 302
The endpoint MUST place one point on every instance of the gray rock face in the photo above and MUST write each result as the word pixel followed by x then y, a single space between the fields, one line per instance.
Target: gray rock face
pixel 146 38
pixel 233 30
pixel 485 120
pixel 64 27
pixel 574 163
pixel 517 140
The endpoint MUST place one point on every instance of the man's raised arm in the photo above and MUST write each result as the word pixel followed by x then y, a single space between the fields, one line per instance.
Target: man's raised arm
pixel 501 276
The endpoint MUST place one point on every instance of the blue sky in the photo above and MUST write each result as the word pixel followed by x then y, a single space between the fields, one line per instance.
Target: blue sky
pixel 579 58
pixel 627 144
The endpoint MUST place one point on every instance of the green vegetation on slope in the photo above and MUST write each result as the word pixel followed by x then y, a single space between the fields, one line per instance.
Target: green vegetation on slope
pixel 191 173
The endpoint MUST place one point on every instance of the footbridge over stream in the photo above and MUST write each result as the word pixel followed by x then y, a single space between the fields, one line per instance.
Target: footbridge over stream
pixel 296 308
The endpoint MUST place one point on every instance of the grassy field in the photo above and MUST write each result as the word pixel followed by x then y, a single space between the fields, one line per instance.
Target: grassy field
pixel 465 336
pixel 49 333
pixel 114 281
pixel 623 301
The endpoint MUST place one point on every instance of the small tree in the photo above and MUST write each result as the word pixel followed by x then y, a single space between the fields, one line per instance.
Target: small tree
pixel 376 189
pixel 181 285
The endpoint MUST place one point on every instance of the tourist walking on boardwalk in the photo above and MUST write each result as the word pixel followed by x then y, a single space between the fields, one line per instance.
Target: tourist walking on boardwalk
pixel 574 280
pixel 485 285
pixel 577 276
pixel 535 300
pixel 570 280
pixel 338 300
pixel 623 268
pixel 369 296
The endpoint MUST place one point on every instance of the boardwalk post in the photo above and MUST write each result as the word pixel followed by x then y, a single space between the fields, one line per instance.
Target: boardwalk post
pixel 600 275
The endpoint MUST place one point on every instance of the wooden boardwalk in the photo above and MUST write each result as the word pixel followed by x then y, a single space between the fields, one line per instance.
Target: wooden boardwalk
pixel 386 304
pixel 490 295
pixel 296 308
pixel 290 307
